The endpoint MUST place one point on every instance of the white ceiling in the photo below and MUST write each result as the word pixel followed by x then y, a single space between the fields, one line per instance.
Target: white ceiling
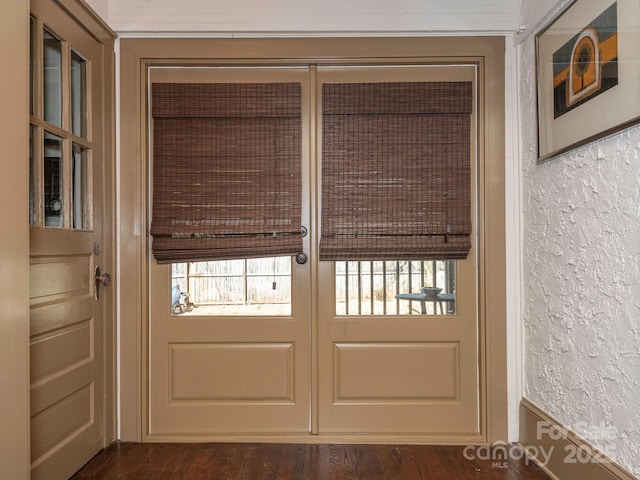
pixel 274 16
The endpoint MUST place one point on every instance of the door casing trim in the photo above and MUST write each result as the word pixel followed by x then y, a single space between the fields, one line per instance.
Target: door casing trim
pixel 136 54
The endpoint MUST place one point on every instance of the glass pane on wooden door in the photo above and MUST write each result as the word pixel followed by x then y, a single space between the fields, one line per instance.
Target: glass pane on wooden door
pixel 32 168
pixel 247 287
pixel 81 193
pixel 78 95
pixel 53 181
pixel 52 76
pixel 399 287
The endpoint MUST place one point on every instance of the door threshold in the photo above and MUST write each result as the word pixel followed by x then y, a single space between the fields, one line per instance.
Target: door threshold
pixel 370 438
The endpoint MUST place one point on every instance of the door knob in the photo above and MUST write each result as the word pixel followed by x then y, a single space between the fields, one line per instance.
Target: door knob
pixel 103 279
pixel 301 258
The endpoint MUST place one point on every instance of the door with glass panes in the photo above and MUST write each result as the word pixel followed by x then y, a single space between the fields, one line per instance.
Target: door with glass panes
pixel 397 338
pixel 67 303
pixel 364 346
pixel 229 339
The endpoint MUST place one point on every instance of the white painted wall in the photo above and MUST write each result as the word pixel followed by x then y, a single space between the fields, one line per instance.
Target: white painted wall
pixel 224 16
pixel 581 274
pixel 101 7
pixel 513 242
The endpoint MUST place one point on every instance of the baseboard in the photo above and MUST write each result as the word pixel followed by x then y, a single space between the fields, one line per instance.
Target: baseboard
pixel 560 452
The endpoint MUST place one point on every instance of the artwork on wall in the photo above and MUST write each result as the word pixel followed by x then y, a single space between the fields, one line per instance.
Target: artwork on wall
pixel 588 74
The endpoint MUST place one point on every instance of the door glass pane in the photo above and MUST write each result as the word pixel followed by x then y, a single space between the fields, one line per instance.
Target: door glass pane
pixel 32 168
pixel 52 76
pixel 78 95
pixel 53 185
pixel 247 287
pixel 81 192
pixel 396 287
pixel 32 61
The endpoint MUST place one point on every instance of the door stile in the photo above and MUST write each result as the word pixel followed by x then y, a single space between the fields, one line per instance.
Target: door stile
pixel 314 236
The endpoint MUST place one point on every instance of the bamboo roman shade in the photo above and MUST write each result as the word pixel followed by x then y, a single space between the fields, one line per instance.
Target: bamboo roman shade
pixel 396 170
pixel 226 170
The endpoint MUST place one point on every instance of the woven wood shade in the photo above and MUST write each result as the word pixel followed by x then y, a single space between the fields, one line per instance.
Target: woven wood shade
pixel 396 171
pixel 226 170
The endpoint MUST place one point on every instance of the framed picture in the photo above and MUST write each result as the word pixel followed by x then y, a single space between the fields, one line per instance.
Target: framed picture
pixel 588 74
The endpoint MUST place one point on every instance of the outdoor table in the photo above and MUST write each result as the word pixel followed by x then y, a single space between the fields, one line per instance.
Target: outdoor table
pixel 422 298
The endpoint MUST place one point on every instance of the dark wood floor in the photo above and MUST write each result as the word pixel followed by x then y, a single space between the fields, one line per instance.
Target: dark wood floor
pixel 285 461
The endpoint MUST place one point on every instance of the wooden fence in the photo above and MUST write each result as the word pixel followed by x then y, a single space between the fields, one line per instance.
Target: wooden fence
pixel 361 287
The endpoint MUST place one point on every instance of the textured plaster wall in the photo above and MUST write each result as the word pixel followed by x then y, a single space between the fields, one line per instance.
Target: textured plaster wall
pixel 581 271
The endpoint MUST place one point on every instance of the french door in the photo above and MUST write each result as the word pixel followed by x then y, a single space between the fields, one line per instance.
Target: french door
pixel 240 372
pixel 356 351
pixel 395 373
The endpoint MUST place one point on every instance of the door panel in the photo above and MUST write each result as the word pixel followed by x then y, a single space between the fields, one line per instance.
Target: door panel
pixel 399 374
pixel 67 324
pixel 64 418
pixel 230 372
pixel 266 370
pixel 69 346
pixel 56 277
pixel 390 372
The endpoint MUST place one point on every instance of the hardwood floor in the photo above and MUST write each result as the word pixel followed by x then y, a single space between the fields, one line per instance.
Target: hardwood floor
pixel 236 461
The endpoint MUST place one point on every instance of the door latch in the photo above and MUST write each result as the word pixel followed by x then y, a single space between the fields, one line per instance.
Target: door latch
pixel 103 279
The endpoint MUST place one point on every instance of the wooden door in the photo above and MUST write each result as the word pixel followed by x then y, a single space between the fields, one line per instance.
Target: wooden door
pixel 240 370
pixel 388 365
pixel 66 244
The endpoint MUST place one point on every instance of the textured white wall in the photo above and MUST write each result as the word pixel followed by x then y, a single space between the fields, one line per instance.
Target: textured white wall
pixel 581 269
pixel 532 12
pixel 312 16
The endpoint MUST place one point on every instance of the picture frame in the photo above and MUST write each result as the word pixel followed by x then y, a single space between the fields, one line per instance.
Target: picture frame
pixel 588 74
